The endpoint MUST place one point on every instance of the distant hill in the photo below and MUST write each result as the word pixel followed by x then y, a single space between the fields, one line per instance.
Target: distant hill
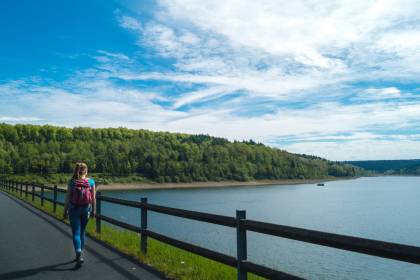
pixel 154 156
pixel 397 167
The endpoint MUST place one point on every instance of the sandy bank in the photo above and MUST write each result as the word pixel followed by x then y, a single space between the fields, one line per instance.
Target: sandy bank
pixel 148 186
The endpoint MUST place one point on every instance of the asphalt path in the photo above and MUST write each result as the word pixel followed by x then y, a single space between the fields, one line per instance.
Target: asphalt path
pixel 34 245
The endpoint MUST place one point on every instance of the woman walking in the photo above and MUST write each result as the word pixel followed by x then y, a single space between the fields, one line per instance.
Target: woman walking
pixel 79 205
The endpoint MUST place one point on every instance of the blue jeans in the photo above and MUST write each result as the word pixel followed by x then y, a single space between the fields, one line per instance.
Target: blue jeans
pixel 79 217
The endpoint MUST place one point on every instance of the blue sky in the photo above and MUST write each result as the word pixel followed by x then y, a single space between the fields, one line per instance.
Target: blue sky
pixel 337 79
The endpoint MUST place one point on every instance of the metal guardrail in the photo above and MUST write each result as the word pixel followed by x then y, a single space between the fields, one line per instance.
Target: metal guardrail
pixel 395 251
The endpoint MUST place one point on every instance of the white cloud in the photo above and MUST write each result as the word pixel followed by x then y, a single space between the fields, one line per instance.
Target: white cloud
pixel 390 91
pixel 200 95
pixel 380 94
pixel 111 55
pixel 265 83
pixel 130 23
pixel 285 49
pixel 400 42
pixel 322 34
pixel 359 150
pixel 89 103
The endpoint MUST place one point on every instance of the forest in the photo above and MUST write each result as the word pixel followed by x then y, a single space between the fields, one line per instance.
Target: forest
pixel 390 167
pixel 50 151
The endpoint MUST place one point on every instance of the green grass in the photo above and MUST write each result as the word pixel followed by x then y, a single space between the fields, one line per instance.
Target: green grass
pixel 174 262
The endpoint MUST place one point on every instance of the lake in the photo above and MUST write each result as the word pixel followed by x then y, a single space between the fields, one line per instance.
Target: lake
pixel 383 208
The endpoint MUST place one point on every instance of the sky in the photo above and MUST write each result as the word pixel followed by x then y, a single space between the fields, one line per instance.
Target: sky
pixel 336 79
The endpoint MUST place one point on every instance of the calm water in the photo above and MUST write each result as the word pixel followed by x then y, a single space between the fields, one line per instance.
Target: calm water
pixel 384 208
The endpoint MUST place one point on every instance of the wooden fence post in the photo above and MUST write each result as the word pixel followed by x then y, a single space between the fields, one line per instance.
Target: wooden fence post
pixel 20 187
pixel 55 199
pixel 241 248
pixel 42 195
pixel 143 225
pixel 98 212
pixel 33 192
pixel 26 190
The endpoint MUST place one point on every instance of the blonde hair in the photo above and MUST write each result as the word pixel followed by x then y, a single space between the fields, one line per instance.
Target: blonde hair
pixel 79 170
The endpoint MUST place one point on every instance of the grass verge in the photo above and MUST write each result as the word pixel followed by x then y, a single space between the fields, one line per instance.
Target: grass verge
pixel 173 262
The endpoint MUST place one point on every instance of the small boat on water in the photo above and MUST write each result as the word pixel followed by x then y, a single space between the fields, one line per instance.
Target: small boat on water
pixel 320 184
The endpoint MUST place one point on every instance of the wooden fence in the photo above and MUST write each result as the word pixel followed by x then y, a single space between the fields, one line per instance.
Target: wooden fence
pixel 400 252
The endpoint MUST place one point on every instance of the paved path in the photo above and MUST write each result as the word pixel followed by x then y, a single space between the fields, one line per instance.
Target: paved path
pixel 34 245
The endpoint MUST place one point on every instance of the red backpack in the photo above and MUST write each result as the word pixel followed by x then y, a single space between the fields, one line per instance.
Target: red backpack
pixel 81 193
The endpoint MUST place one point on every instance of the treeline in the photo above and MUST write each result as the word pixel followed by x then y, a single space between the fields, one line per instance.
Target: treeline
pixel 156 156
pixel 390 167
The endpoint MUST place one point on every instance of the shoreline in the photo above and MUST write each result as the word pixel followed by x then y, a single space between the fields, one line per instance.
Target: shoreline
pixel 222 184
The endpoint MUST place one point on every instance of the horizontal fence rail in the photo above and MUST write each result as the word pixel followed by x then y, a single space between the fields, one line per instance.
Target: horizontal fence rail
pixel 120 201
pixel 216 256
pixel 193 215
pixel 349 243
pixel 119 223
pixel 395 251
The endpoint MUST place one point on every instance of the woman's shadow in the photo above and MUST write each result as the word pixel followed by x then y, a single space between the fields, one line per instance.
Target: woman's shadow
pixel 31 272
